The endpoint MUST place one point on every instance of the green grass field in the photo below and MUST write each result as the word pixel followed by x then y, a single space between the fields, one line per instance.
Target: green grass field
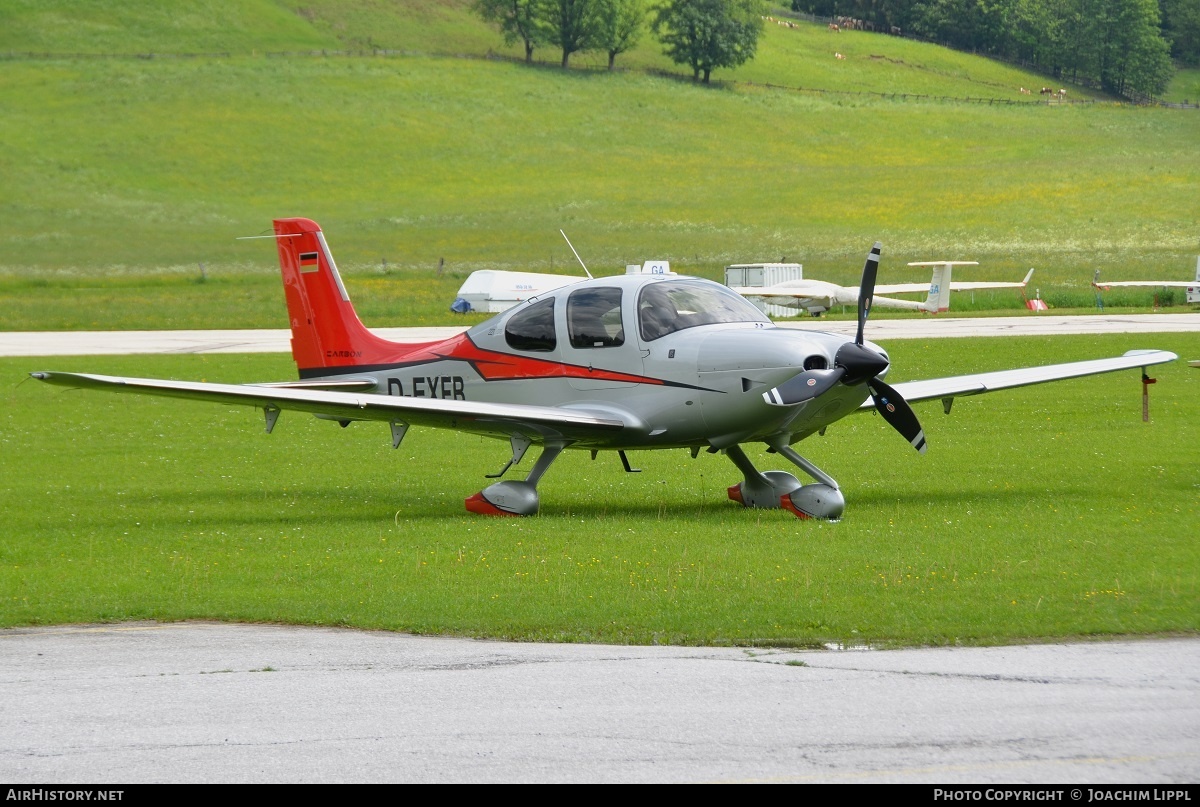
pixel 1043 513
pixel 1038 514
pixel 130 169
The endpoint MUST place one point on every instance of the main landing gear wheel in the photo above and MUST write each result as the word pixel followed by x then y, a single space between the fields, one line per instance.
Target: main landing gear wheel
pixel 509 498
pixel 513 498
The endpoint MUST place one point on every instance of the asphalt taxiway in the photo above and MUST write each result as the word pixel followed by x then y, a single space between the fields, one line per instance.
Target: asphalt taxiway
pixel 93 343
pixel 217 703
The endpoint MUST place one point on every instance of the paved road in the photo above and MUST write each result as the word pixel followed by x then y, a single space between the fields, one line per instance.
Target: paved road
pixel 79 343
pixel 205 702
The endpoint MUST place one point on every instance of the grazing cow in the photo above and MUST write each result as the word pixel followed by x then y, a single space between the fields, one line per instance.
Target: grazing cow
pixel 838 56
pixel 833 27
pixel 1047 91
pixel 1024 91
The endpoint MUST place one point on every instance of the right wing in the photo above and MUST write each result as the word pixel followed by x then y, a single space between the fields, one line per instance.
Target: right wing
pixel 1157 284
pixel 955 285
pixel 978 383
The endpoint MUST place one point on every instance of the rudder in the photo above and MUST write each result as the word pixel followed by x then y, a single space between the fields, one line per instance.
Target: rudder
pixel 938 299
pixel 326 331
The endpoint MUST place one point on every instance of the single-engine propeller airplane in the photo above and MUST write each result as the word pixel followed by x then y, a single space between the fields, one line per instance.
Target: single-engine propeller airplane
pixel 633 362
pixel 818 296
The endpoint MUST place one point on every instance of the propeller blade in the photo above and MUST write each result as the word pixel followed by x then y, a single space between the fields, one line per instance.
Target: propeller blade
pixel 803 387
pixel 896 411
pixel 866 290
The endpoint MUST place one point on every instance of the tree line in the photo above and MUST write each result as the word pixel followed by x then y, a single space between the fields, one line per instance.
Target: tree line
pixel 702 34
pixel 1122 46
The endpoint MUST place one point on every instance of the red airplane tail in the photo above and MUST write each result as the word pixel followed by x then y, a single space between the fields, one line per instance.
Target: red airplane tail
pixel 326 332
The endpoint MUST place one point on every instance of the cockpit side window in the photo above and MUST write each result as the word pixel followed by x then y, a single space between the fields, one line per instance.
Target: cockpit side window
pixel 674 305
pixel 533 328
pixel 594 318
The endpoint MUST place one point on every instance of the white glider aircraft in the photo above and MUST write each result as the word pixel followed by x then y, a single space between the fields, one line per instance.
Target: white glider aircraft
pixel 633 362
pixel 818 296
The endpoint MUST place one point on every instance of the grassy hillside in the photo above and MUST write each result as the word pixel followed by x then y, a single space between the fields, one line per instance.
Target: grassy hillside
pixel 1185 87
pixel 144 168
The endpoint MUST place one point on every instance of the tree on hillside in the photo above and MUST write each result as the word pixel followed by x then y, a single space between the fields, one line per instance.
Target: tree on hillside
pixel 620 27
pixel 518 20
pixel 1036 32
pixel 707 34
pixel 1131 53
pixel 976 25
pixel 1181 27
pixel 571 24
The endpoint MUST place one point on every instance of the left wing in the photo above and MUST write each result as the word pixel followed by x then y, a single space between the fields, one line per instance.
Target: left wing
pixel 978 383
pixel 788 297
pixel 469 416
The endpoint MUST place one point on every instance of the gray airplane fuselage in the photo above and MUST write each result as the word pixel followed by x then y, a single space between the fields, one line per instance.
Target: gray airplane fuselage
pixel 699 385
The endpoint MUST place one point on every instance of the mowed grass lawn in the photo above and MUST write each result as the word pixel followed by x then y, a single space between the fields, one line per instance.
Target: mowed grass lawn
pixel 1045 513
pixel 469 164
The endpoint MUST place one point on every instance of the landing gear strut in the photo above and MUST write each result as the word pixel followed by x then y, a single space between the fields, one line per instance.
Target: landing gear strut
pixel 513 498
pixel 770 489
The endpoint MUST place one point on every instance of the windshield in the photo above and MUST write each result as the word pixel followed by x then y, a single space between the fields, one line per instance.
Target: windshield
pixel 674 305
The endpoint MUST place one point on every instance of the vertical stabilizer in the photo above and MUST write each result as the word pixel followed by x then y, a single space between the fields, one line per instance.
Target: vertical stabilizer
pixel 938 299
pixel 326 332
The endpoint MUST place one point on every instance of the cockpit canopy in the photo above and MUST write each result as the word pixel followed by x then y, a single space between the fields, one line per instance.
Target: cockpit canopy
pixel 674 305
pixel 595 315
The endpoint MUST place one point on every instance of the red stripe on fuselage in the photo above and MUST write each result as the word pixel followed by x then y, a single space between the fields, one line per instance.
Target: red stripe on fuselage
pixel 493 365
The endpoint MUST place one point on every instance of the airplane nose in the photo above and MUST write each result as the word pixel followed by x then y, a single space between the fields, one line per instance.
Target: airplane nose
pixel 860 362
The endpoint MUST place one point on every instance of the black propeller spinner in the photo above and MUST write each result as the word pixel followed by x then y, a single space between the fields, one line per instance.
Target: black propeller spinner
pixel 854 364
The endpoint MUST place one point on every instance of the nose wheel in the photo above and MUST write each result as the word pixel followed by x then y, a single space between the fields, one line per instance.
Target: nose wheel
pixel 771 489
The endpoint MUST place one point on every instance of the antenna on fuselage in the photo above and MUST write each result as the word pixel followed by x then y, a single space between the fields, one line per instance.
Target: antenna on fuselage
pixel 581 263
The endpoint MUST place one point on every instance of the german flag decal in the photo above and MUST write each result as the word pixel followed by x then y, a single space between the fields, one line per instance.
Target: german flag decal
pixel 309 262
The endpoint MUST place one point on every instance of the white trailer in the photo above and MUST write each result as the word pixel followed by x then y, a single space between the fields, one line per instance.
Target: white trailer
pixel 761 275
pixel 492 290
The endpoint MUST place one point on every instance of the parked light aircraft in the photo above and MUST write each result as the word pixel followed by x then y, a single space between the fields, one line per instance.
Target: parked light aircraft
pixel 634 362
pixel 1192 286
pixel 818 296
